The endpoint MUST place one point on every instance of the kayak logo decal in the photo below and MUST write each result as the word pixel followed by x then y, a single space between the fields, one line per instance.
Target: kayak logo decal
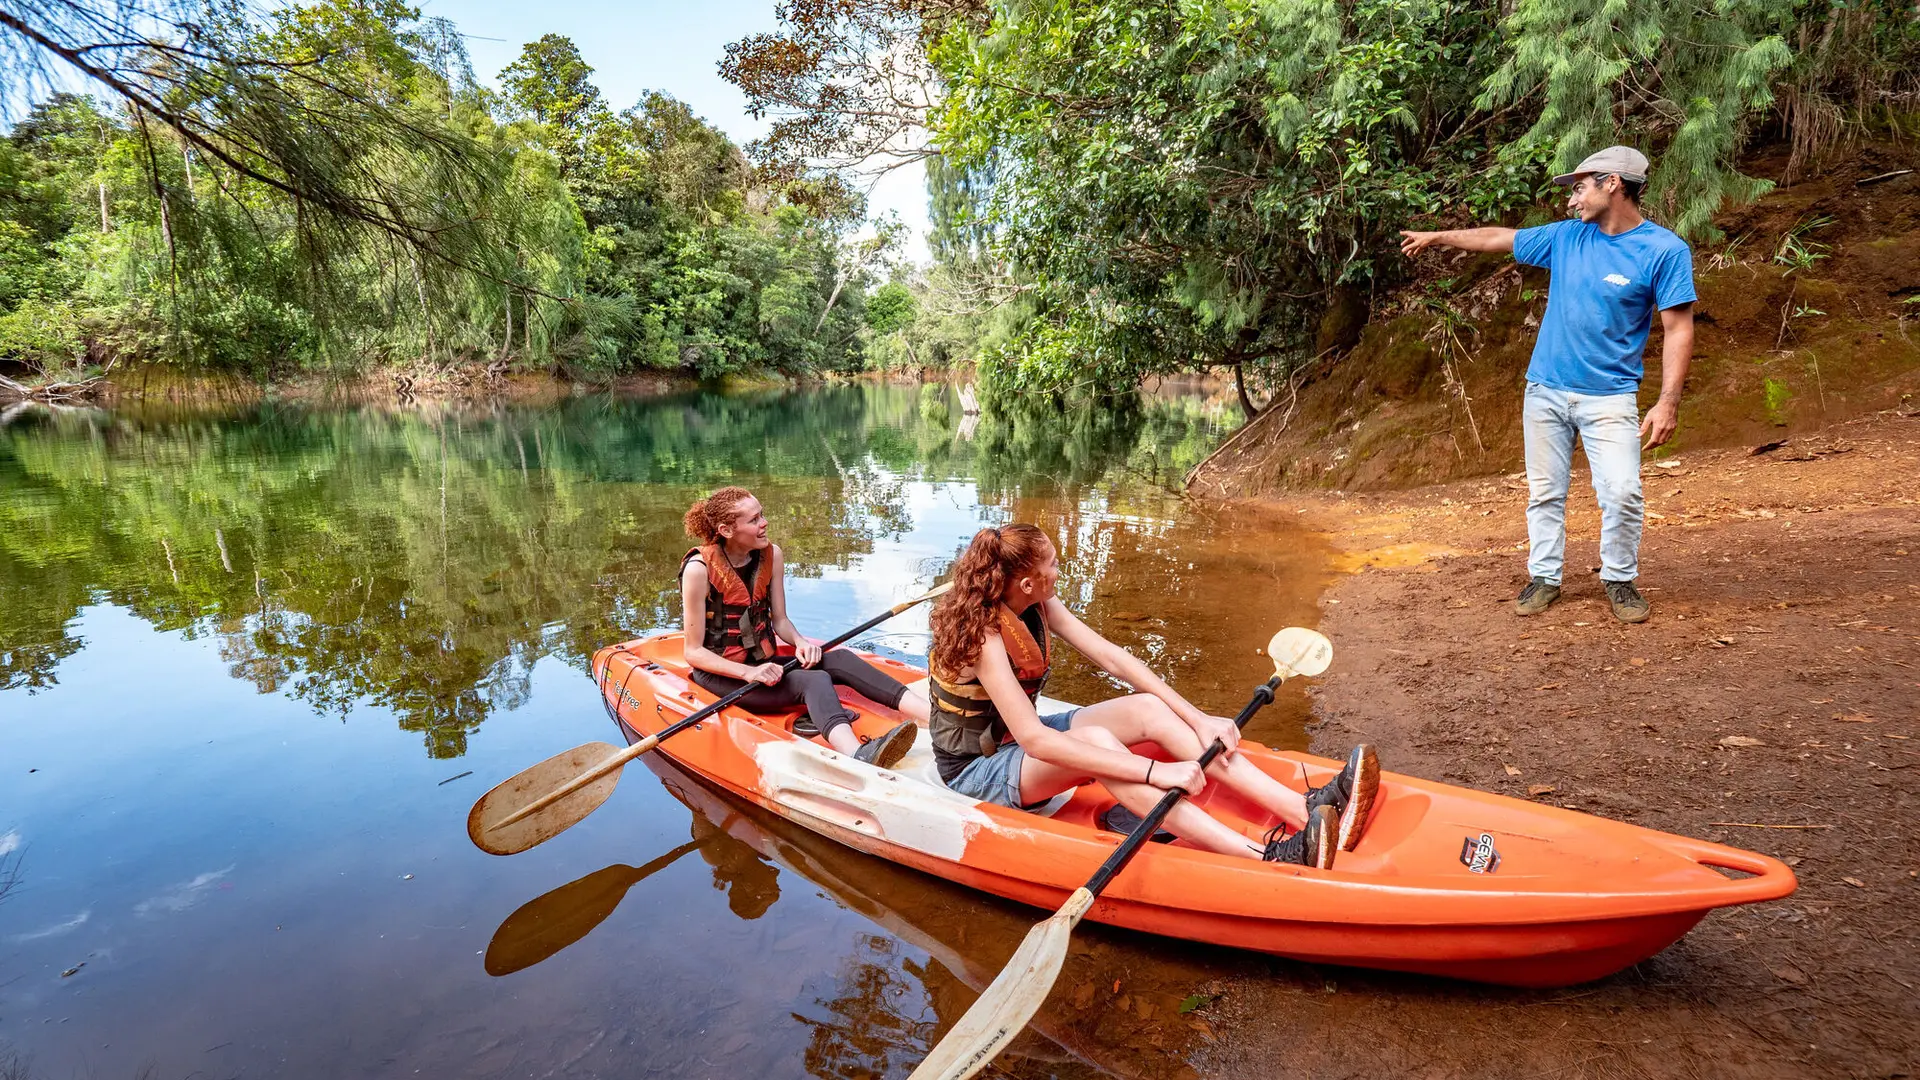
pixel 1478 855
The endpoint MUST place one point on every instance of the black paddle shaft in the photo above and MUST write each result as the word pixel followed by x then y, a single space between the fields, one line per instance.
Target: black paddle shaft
pixel 1130 847
pixel 788 664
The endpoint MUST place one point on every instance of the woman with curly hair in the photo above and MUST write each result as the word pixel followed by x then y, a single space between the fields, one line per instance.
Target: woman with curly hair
pixel 991 653
pixel 734 602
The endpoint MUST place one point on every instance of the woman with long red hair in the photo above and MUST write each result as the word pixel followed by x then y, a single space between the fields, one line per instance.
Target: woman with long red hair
pixel 734 602
pixel 991 652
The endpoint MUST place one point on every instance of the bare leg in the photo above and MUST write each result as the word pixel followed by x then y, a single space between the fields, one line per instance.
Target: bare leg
pixel 843 739
pixel 1250 780
pixel 1142 718
pixel 914 703
pixel 1041 780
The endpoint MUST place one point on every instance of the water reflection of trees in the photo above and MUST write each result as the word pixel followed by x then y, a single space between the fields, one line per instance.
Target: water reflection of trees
pixel 409 560
pixel 1026 447
pixel 424 560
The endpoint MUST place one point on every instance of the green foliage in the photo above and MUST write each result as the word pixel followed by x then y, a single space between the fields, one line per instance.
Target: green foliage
pixel 1796 252
pixel 552 84
pixel 1170 179
pixel 568 238
pixel 46 335
pixel 1687 78
pixel 1774 397
pixel 933 405
pixel 1185 185
pixel 890 308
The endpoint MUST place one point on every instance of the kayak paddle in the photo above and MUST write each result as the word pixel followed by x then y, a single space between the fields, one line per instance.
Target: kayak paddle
pixel 1017 992
pixel 541 802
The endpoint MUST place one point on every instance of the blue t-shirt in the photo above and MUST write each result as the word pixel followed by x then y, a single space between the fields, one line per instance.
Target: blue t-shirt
pixel 1601 299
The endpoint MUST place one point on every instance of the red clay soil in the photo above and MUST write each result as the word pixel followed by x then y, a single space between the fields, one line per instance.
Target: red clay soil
pixel 1770 703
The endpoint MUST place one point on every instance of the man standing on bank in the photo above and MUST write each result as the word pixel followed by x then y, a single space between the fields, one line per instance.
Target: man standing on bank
pixel 1611 269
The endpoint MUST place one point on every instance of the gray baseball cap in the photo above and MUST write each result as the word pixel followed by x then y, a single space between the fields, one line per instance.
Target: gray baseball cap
pixel 1622 161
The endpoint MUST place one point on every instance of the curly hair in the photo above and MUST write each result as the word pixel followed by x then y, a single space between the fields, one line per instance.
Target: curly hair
pixel 961 618
pixel 705 516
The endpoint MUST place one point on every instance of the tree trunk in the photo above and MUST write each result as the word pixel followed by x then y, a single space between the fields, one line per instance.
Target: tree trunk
pixel 1240 387
pixel 426 313
pixel 166 224
pixel 105 226
pixel 831 297
pixel 506 340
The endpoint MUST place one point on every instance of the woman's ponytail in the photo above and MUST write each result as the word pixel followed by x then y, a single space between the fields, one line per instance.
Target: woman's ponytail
pixel 705 516
pixel 980 577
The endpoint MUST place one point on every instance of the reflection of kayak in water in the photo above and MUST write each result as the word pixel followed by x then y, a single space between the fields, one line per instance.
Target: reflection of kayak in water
pixel 966 945
pixel 1447 880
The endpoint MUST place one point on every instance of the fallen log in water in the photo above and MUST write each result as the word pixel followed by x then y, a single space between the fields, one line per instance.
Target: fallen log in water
pixel 52 392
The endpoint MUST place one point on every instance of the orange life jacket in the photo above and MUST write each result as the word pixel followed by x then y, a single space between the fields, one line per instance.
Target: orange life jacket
pixel 739 624
pixel 965 723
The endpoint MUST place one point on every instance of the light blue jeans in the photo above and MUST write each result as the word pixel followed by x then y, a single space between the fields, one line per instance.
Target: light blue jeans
pixel 1609 428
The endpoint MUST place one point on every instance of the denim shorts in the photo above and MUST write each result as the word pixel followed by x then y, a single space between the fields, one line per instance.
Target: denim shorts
pixel 996 779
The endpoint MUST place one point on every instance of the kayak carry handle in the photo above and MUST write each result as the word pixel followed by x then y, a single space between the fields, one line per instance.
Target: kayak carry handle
pixel 1771 880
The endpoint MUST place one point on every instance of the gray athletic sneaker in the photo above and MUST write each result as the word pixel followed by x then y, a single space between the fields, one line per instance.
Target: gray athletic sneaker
pixel 1628 605
pixel 1314 845
pixel 1352 794
pixel 887 750
pixel 1537 597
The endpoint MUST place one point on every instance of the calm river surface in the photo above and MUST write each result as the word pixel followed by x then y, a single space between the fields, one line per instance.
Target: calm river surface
pixel 256 664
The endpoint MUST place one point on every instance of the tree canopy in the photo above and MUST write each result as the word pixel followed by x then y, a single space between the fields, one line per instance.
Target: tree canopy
pixel 325 185
pixel 1123 189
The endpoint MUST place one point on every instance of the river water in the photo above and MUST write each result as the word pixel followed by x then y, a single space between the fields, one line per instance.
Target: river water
pixel 256 662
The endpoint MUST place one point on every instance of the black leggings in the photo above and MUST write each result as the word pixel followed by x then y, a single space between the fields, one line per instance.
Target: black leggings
pixel 814 686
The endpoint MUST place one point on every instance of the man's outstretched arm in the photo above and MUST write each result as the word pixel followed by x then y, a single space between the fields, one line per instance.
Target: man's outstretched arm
pixel 1489 238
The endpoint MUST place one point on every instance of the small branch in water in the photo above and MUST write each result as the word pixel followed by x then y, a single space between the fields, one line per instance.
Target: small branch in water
pixel 451 779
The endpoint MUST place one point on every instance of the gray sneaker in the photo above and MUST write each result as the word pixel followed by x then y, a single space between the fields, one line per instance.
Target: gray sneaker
pixel 1537 597
pixel 887 750
pixel 1628 605
pixel 1312 845
pixel 1352 793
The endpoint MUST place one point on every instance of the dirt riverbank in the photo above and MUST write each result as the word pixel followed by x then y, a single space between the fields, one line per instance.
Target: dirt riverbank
pixel 1775 687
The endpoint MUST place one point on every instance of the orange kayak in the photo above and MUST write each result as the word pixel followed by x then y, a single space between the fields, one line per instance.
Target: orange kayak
pixel 1447 880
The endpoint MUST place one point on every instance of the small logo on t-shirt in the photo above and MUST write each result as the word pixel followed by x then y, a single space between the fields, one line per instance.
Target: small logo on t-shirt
pixel 1616 279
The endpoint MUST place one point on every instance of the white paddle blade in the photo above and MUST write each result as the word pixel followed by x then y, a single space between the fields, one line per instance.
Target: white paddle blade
pixel 1014 996
pixel 1299 651
pixel 486 822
